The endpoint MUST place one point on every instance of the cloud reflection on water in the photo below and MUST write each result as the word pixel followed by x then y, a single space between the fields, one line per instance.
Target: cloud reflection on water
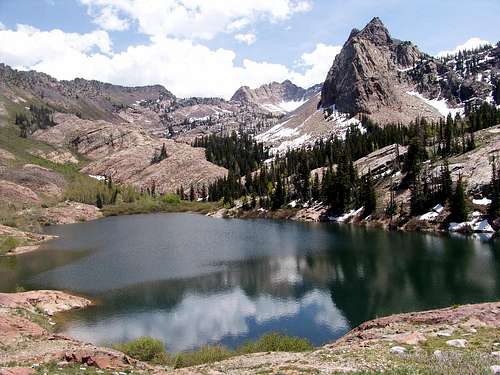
pixel 201 319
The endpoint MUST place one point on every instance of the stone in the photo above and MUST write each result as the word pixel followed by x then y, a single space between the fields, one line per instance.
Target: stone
pixel 101 361
pixel 445 333
pixel 412 338
pixel 495 369
pixel 457 343
pixel 495 354
pixel 397 350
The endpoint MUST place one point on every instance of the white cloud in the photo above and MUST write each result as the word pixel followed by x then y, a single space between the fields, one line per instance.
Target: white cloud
pixel 108 19
pixel 28 47
pixel 248 38
pixel 193 18
pixel 185 67
pixel 2 26
pixel 470 44
pixel 317 64
pixel 238 24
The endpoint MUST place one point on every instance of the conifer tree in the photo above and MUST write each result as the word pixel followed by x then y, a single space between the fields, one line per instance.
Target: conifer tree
pixel 278 197
pixel 494 209
pixel 368 196
pixel 98 202
pixel 191 193
pixel 446 182
pixel 458 208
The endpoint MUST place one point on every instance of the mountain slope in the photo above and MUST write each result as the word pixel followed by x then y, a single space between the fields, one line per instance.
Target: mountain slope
pixel 100 128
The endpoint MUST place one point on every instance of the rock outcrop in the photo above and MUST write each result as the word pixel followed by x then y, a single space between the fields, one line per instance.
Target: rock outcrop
pixel 47 301
pixel 28 340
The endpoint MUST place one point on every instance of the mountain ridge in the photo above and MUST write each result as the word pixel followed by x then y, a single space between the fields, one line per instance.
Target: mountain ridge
pixel 275 96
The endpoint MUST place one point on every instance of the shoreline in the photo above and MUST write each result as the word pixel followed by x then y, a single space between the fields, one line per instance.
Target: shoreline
pixel 409 225
pixel 305 215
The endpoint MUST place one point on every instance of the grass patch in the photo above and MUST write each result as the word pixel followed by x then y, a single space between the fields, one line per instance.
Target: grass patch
pixel 151 350
pixel 145 205
pixel 8 243
pixel 36 317
pixel 206 354
pixel 53 368
pixel 277 342
pixel 146 349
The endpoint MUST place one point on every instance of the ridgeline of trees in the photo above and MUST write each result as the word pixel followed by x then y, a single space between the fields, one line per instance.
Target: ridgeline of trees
pixel 239 154
pixel 289 177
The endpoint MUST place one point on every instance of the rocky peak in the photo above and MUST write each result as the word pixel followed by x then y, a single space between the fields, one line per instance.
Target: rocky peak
pixel 365 75
pixel 376 32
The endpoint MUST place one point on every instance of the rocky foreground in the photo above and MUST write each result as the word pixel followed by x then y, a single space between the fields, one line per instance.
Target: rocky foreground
pixel 28 344
pixel 462 339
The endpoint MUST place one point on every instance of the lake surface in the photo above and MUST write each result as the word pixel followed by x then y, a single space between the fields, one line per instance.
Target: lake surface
pixel 190 280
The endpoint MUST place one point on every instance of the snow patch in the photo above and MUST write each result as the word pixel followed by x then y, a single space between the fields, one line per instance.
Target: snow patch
pixel 433 213
pixel 291 105
pixel 294 143
pixel 476 225
pixel 283 107
pixel 348 215
pixel 482 201
pixel 405 69
pixel 276 133
pixel 439 104
pixel 99 178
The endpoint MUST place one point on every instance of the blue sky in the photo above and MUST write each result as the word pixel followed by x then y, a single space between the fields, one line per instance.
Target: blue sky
pixel 210 48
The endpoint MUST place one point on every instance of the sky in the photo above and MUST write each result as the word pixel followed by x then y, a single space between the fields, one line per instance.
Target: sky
pixel 212 47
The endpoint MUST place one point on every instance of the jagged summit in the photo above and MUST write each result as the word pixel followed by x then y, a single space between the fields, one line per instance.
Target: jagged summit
pixel 376 31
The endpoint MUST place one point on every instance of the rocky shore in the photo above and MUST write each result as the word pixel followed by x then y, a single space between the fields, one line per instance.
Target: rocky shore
pixel 29 344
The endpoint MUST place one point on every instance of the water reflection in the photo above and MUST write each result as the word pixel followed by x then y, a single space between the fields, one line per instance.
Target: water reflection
pixel 191 280
pixel 229 317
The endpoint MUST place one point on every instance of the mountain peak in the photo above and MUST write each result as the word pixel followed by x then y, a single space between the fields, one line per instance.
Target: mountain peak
pixel 375 31
pixel 364 75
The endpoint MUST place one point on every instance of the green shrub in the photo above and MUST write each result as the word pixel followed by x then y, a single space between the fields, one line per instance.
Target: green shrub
pixel 8 244
pixel 277 342
pixel 206 354
pixel 172 199
pixel 144 349
pixel 148 349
